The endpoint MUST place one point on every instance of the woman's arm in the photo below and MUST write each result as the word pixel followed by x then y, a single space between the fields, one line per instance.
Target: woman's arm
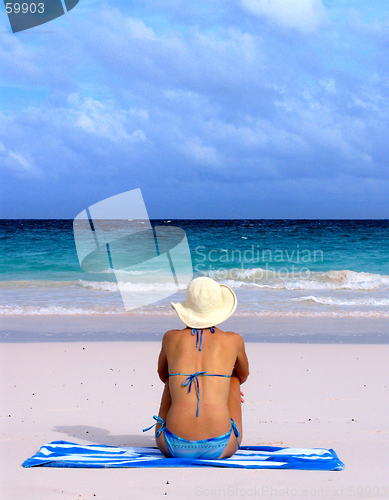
pixel 163 369
pixel 241 367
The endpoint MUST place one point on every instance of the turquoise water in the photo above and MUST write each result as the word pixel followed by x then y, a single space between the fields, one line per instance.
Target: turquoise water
pixel 275 267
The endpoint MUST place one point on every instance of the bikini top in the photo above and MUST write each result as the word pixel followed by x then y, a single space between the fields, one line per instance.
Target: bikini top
pixel 191 377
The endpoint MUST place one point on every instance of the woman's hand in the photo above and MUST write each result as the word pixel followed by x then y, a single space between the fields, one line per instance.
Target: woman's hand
pixel 241 397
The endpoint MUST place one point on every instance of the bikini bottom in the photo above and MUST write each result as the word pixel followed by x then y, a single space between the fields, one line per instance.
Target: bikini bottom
pixel 205 449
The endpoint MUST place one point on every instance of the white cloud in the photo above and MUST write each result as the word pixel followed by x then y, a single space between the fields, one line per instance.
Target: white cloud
pixel 304 15
pixel 17 59
pixel 217 95
pixel 138 29
pixel 328 85
pixel 103 119
pixel 20 164
pixel 204 155
pixel 141 113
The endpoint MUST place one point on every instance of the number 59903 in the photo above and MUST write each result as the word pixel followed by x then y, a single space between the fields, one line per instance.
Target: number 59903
pixel 24 8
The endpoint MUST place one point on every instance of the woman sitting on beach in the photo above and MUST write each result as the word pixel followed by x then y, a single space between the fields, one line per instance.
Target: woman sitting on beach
pixel 202 368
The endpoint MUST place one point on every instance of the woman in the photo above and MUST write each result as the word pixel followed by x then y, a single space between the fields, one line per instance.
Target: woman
pixel 202 368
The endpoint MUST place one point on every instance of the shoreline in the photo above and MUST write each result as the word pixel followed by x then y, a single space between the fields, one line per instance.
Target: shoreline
pixel 147 327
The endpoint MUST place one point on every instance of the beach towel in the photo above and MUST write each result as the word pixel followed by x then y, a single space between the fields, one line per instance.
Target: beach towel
pixel 65 454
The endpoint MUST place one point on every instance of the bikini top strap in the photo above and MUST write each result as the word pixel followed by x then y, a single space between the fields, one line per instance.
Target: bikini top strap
pixel 190 377
pixel 196 331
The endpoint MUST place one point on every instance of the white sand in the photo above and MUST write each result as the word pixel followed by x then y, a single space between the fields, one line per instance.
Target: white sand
pixel 298 395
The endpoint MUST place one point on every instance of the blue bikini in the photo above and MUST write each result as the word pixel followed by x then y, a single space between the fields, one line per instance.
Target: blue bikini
pixel 210 449
pixel 206 449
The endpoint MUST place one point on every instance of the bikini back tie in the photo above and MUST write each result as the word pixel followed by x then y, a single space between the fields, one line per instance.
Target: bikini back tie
pixel 190 377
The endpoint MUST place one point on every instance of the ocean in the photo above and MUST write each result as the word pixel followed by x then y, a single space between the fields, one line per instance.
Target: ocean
pixel 277 268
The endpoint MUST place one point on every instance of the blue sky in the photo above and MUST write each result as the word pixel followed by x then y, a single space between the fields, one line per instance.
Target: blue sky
pixel 215 109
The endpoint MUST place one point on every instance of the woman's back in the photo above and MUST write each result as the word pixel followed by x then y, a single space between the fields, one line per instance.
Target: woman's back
pixel 203 412
pixel 200 413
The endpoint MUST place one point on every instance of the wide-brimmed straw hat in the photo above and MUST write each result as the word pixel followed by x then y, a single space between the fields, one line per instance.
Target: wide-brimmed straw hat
pixel 207 303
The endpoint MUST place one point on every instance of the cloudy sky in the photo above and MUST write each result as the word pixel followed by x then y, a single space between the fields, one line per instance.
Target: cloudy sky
pixel 214 108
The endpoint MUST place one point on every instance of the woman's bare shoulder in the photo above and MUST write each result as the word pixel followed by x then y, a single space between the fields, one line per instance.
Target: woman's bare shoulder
pixel 233 336
pixel 170 334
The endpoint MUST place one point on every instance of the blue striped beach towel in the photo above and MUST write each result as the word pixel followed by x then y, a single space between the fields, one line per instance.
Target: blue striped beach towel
pixel 65 454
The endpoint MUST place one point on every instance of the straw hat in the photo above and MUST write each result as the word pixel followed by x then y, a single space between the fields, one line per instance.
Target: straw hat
pixel 207 303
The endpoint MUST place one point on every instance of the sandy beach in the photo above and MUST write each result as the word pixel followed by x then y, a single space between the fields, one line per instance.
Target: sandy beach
pixel 298 395
pixel 147 145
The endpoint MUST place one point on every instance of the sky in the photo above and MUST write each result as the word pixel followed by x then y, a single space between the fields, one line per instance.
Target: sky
pixel 214 109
